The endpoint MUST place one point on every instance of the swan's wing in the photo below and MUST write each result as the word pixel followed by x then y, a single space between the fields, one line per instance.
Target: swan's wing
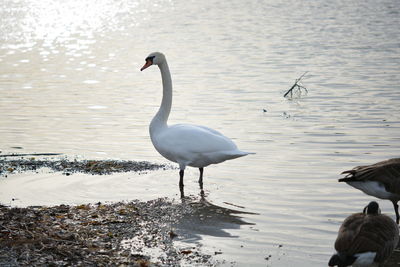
pixel 194 145
pixel 195 139
pixel 206 129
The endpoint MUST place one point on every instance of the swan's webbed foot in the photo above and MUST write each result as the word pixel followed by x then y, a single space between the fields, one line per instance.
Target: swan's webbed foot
pixel 201 178
pixel 181 173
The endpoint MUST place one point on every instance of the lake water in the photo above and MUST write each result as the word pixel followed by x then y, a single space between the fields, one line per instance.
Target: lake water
pixel 70 83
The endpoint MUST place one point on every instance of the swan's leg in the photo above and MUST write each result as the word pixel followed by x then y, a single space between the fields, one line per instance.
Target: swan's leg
pixel 396 210
pixel 181 173
pixel 201 178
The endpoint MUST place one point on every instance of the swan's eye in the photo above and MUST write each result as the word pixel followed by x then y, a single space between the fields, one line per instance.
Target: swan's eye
pixel 150 59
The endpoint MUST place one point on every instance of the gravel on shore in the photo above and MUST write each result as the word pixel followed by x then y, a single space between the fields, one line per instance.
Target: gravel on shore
pixel 120 234
pixel 131 233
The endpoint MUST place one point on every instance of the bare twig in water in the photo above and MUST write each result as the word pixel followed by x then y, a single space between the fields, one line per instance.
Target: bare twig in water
pixel 296 86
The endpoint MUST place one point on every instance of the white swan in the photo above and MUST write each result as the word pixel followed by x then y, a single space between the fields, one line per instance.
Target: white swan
pixel 185 144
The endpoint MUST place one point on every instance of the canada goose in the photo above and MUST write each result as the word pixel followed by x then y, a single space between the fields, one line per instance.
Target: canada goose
pixel 365 239
pixel 185 144
pixel 381 180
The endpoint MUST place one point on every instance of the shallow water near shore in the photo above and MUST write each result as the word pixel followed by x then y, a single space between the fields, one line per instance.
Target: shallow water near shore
pixel 70 84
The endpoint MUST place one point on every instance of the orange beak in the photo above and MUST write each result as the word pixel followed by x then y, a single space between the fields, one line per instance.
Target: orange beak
pixel 146 65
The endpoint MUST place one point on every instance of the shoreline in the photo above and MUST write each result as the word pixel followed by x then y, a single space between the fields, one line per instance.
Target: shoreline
pixel 133 233
pixel 21 163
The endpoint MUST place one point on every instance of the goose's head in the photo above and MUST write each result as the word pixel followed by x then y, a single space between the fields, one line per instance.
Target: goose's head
pixel 372 208
pixel 155 58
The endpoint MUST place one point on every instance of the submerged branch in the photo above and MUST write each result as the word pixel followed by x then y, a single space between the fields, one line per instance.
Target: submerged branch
pixel 296 86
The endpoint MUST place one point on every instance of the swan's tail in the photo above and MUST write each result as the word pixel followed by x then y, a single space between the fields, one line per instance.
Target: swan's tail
pixel 220 156
pixel 238 153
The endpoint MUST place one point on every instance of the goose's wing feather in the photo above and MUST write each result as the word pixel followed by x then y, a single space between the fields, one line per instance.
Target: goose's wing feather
pixel 360 233
pixel 387 172
pixel 389 231
pixel 348 231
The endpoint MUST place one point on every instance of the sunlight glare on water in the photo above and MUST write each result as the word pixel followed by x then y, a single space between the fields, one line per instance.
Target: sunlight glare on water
pixel 70 83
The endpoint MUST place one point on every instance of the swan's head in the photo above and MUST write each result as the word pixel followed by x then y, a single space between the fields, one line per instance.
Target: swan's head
pixel 155 58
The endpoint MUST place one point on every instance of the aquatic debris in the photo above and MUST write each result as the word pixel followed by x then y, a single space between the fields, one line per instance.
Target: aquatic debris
pixel 72 166
pixel 296 87
pixel 93 235
pixel 172 235
pixel 186 252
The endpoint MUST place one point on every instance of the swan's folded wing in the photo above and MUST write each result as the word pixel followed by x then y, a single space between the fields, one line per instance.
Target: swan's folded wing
pixel 195 139
pixel 195 146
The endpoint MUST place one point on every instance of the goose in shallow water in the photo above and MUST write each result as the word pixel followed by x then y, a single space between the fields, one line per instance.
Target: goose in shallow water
pixel 185 144
pixel 365 239
pixel 381 180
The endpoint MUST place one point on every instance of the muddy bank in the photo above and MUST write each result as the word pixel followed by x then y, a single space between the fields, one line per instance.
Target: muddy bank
pixel 120 234
pixel 12 164
pixel 131 233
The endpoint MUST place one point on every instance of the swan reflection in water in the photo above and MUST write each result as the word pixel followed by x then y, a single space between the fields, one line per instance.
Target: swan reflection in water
pixel 201 217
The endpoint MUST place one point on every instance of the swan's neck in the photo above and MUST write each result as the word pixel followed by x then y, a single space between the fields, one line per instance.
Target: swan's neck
pixel 161 118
